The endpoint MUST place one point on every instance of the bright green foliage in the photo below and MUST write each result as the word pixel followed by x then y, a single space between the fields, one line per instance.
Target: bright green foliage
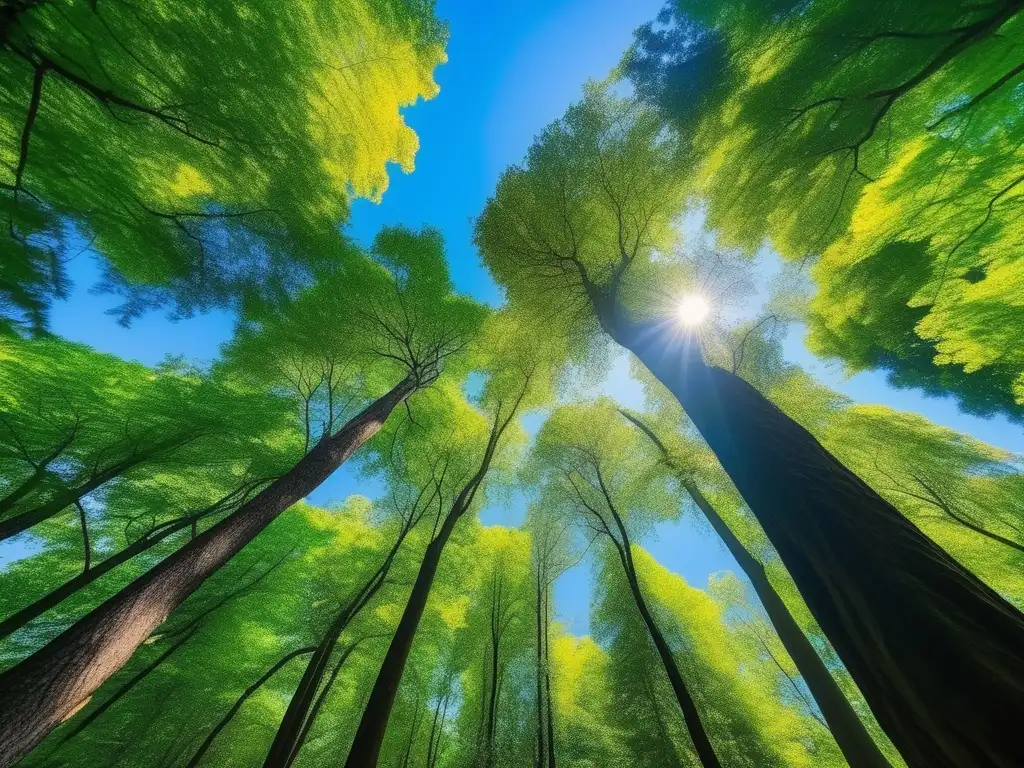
pixel 358 331
pixel 208 154
pixel 585 215
pixel 166 444
pixel 734 690
pixel 883 138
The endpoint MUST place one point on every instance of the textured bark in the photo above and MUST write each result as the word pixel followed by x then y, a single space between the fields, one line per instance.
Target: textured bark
pixel 38 693
pixel 938 655
pixel 248 692
pixel 853 738
pixel 365 750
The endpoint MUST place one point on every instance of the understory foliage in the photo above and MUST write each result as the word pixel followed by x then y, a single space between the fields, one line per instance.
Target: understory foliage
pixel 485 588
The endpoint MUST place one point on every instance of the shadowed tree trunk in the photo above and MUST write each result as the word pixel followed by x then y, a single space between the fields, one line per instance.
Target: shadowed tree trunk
pixel 853 738
pixel 285 747
pixel 41 691
pixel 365 749
pixel 938 655
pixel 322 698
pixel 698 734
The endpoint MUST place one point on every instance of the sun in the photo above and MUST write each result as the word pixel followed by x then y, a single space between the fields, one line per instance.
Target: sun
pixel 692 309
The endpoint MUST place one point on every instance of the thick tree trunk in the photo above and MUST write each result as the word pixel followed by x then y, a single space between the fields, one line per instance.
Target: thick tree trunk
pixel 41 691
pixel 229 715
pixel 938 655
pixel 849 731
pixel 21 523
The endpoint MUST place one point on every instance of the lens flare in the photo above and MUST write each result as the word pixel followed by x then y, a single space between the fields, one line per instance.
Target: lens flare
pixel 692 310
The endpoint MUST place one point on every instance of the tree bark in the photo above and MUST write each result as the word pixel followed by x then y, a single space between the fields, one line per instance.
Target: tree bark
pixel 701 742
pixel 38 693
pixel 938 655
pixel 853 738
pixel 286 742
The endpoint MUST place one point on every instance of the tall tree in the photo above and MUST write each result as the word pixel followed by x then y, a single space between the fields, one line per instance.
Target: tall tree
pixel 590 216
pixel 518 363
pixel 880 138
pixel 850 733
pixel 411 328
pixel 616 497
pixel 206 156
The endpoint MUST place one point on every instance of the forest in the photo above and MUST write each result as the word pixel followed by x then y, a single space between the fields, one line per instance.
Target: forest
pixel 690 436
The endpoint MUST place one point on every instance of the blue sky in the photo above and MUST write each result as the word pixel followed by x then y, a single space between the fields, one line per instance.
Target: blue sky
pixel 513 68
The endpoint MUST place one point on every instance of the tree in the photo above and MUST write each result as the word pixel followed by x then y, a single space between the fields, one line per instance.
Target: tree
pixel 76 421
pixel 207 156
pixel 100 643
pixel 842 721
pixel 520 377
pixel 590 216
pixel 597 475
pixel 882 139
pixel 551 555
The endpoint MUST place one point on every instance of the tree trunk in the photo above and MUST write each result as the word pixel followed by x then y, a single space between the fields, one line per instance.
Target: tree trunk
pixel 38 693
pixel 547 681
pixel 540 677
pixel 285 745
pixel 208 741
pixel 938 655
pixel 853 738
pixel 701 742
pixel 492 703
pixel 365 749
pixel 322 699
pixel 21 523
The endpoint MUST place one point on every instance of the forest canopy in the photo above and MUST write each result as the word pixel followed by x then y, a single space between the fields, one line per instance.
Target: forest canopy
pixel 622 515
